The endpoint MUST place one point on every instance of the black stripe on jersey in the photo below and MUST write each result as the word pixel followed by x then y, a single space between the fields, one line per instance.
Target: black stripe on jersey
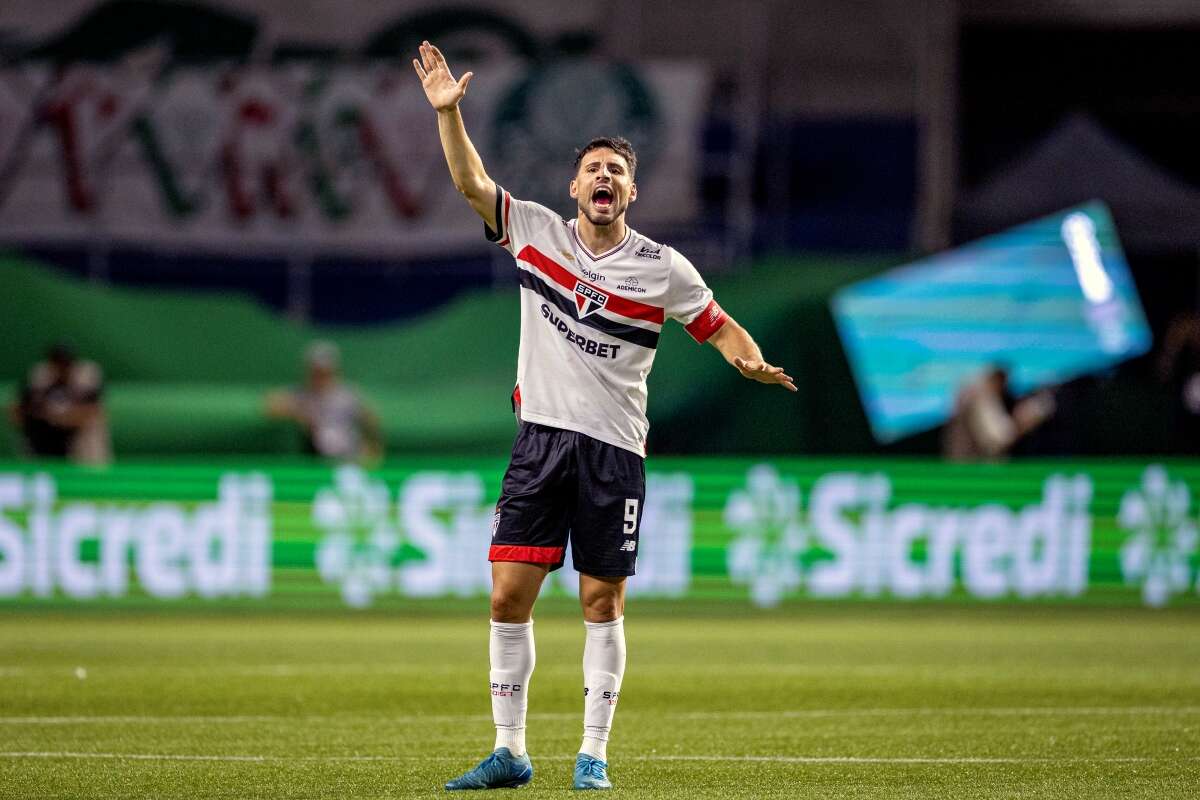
pixel 498 234
pixel 628 333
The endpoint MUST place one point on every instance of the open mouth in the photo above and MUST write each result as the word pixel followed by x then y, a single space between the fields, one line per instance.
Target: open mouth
pixel 602 197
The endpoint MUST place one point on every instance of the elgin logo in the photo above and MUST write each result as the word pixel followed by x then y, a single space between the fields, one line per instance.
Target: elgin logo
pixel 505 689
pixel 588 300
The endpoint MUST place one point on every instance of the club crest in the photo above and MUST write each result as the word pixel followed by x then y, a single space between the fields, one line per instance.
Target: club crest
pixel 588 300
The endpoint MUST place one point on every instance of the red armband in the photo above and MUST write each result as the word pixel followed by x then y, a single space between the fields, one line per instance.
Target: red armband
pixel 707 322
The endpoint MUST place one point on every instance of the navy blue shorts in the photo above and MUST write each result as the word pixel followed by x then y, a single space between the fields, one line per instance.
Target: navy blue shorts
pixel 562 484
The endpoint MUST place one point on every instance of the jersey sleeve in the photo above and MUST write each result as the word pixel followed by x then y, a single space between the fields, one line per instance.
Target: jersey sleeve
pixel 517 221
pixel 691 302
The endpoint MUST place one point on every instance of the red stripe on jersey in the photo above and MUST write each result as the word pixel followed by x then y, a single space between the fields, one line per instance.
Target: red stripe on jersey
pixel 707 322
pixel 563 277
pixel 517 395
pixel 526 553
pixel 507 233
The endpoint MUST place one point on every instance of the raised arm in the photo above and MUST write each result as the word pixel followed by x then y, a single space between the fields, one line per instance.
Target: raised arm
pixel 466 167
pixel 735 344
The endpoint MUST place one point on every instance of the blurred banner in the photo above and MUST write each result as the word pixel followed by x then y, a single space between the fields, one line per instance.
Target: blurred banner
pixel 1049 300
pixel 298 535
pixel 168 141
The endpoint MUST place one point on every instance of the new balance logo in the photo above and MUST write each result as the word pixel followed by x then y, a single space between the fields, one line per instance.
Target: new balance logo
pixel 629 546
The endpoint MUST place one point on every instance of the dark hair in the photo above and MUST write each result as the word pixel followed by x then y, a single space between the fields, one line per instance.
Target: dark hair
pixel 617 144
pixel 60 352
pixel 1000 369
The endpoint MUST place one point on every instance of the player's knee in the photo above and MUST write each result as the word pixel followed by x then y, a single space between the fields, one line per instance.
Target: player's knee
pixel 603 606
pixel 509 608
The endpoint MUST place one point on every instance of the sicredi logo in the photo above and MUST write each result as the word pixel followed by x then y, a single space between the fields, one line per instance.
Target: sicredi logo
pixel 218 549
pixel 868 546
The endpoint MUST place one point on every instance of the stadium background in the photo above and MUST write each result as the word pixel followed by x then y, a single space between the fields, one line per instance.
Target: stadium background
pixel 191 193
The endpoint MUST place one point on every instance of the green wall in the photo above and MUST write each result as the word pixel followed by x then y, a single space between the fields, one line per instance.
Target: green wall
pixel 187 371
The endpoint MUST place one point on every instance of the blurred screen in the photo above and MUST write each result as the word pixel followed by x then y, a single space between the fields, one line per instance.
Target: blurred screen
pixel 1050 300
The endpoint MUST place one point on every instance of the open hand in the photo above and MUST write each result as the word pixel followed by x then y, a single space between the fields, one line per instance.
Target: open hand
pixel 763 372
pixel 442 91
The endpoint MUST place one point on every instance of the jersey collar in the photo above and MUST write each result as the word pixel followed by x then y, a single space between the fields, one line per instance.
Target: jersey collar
pixel 616 248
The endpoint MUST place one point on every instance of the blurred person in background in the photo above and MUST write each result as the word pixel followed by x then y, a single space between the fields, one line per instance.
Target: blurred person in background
pixel 1179 369
pixel 988 420
pixel 334 421
pixel 60 411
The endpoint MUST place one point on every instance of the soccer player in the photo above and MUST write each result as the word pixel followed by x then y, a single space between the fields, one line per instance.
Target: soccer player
pixel 594 296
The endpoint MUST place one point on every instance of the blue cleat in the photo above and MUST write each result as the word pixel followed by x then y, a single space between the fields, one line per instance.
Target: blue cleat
pixel 500 770
pixel 591 773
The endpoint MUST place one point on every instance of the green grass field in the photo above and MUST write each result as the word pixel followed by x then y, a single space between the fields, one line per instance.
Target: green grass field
pixel 813 701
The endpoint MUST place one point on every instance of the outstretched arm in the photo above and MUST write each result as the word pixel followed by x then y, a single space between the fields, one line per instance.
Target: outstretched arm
pixel 735 344
pixel 466 167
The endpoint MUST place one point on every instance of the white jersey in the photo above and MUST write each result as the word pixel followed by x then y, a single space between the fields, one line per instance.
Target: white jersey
pixel 590 322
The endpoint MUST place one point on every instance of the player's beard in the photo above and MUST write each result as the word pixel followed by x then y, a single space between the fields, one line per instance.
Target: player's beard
pixel 586 209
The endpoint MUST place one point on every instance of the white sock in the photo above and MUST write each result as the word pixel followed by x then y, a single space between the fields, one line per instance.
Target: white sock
pixel 510 647
pixel 603 669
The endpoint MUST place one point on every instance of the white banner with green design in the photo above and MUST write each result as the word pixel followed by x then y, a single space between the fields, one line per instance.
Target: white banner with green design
pixel 320 156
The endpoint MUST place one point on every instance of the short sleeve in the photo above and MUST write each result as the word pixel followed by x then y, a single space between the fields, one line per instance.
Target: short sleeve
pixel 691 302
pixel 518 221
